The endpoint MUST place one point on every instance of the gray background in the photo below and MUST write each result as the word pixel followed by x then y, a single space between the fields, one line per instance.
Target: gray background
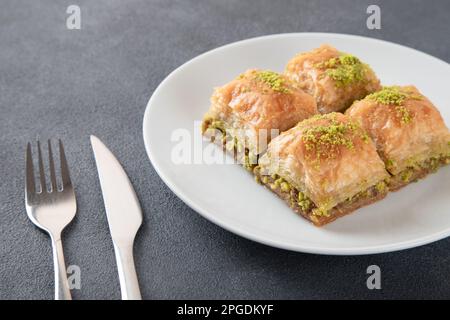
pixel 68 84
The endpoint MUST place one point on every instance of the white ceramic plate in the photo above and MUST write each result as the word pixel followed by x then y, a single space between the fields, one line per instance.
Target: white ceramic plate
pixel 227 194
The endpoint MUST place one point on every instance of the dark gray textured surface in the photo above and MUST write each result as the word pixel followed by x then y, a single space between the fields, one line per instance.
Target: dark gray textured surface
pixel 69 84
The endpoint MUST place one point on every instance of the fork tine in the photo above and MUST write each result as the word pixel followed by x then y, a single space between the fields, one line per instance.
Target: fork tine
pixel 64 167
pixel 52 167
pixel 41 169
pixel 30 186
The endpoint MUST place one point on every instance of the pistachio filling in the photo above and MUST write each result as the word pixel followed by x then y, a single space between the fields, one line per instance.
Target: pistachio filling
pixel 277 183
pixel 344 70
pixel 390 164
pixel 298 199
pixel 381 187
pixel 232 144
pixel 416 170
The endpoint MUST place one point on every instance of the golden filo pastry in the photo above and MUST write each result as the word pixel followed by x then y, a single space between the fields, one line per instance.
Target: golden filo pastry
pixel 324 168
pixel 248 111
pixel 409 132
pixel 335 79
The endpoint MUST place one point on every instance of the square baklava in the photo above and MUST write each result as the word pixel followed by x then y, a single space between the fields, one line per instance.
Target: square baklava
pixel 409 132
pixel 248 111
pixel 335 79
pixel 325 167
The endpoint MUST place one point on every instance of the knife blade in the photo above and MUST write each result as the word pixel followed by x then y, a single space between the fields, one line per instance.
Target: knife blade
pixel 124 215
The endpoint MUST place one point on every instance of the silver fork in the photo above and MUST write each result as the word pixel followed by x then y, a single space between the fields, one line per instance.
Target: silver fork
pixel 51 209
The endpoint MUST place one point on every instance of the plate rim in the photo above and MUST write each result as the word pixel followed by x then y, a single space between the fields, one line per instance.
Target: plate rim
pixel 244 232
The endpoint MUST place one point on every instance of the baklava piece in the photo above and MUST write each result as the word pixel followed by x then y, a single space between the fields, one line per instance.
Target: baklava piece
pixel 335 79
pixel 408 130
pixel 248 111
pixel 324 168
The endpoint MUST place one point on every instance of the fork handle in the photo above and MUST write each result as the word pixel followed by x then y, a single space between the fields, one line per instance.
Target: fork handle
pixel 129 285
pixel 62 291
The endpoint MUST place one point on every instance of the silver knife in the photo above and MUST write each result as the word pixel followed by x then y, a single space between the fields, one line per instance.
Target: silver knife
pixel 124 215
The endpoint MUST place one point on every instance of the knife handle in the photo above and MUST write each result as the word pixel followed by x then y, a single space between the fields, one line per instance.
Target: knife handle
pixel 129 285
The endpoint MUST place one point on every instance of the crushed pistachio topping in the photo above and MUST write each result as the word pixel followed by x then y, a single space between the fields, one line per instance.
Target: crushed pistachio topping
pixel 345 69
pixel 326 139
pixel 365 137
pixel 395 96
pixel 403 114
pixel 275 81
pixel 389 95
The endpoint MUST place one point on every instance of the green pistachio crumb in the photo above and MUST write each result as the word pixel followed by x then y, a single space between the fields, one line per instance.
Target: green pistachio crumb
pixel 275 81
pixel 395 96
pixel 344 70
pixel 305 204
pixel 246 162
pixel 390 163
pixel 320 212
pixel 257 179
pixel 324 139
pixel 434 164
pixel 388 95
pixel 265 179
pixel 365 137
pixel 403 114
pixel 285 187
pixel 381 186
pixel 348 59
pixel 406 175
pixel 278 182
